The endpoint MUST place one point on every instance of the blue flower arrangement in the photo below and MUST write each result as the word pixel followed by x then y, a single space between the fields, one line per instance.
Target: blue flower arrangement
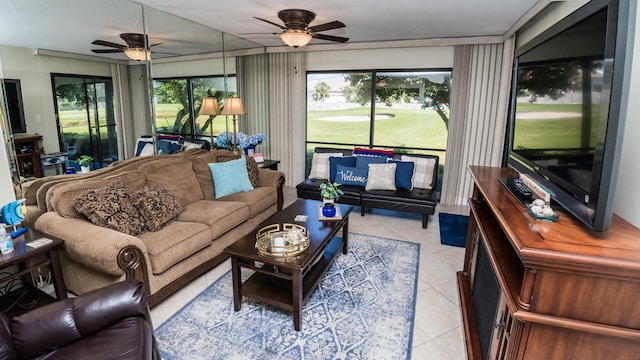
pixel 225 140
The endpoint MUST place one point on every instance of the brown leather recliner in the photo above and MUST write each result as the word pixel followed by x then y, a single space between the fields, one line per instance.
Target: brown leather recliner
pixel 108 323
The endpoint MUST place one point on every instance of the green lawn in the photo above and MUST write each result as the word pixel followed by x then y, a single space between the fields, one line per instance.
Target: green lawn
pixel 407 128
pixel 552 133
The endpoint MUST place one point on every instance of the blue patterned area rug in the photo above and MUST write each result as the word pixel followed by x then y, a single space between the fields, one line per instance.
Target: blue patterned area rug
pixel 363 309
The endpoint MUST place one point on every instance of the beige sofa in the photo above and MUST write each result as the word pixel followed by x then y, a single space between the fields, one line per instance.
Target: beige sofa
pixel 94 256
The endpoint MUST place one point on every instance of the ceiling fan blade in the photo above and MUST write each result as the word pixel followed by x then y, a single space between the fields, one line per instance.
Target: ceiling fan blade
pixel 108 43
pixel 258 33
pixel 271 22
pixel 328 26
pixel 155 44
pixel 107 51
pixel 339 39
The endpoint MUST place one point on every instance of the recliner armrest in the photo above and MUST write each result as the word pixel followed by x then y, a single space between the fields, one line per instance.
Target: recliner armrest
pixel 63 322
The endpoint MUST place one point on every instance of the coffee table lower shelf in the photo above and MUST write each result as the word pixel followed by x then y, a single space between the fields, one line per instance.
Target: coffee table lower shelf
pixel 275 286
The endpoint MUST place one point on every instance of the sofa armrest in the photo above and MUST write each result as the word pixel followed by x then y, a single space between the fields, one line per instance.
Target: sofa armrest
pixel 58 324
pixel 275 179
pixel 91 245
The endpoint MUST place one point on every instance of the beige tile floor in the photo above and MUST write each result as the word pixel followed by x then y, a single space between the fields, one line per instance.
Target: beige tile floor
pixel 437 332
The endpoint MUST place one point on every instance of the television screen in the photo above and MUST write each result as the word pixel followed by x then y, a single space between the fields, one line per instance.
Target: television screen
pixel 557 110
pixel 565 110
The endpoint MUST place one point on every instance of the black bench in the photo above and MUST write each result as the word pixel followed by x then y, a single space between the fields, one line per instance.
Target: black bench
pixel 421 201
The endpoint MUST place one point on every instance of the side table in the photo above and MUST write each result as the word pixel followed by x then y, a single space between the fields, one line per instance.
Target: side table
pixel 27 260
pixel 269 164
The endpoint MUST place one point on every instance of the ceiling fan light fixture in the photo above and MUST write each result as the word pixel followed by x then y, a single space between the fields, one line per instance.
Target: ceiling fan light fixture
pixel 295 38
pixel 137 54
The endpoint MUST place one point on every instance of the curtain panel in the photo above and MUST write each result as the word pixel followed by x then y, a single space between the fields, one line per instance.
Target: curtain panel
pixel 479 107
pixel 287 113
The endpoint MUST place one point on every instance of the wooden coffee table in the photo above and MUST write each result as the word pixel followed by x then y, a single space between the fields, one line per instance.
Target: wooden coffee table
pixel 287 282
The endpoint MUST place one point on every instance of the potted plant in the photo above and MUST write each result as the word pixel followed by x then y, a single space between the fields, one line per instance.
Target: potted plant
pixel 85 161
pixel 330 194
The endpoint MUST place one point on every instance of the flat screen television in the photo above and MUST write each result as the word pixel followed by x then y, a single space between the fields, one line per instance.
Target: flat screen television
pixel 565 109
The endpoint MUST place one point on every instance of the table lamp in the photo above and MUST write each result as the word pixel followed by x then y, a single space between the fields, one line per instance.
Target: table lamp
pixel 210 107
pixel 233 106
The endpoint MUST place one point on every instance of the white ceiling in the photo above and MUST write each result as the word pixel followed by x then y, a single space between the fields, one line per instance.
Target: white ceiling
pixel 71 25
pixel 365 20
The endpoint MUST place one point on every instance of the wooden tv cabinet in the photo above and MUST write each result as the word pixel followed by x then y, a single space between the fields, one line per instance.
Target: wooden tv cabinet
pixel 561 291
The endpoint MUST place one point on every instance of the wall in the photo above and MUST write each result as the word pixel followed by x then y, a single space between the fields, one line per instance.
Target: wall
pixel 627 195
pixel 397 58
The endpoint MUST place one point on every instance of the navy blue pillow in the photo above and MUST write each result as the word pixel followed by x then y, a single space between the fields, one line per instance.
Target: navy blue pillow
pixel 364 161
pixel 348 175
pixel 334 161
pixel 404 174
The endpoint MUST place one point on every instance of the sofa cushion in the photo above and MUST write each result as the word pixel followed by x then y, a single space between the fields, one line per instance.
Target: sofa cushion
pixel 111 207
pixel 404 174
pixel 174 242
pixel 220 216
pixel 423 171
pixel 381 177
pixel 334 161
pixel 230 177
pixel 177 175
pixel 320 165
pixel 61 197
pixel 348 175
pixel 259 199
pixel 203 173
pixel 157 207
pixel 132 180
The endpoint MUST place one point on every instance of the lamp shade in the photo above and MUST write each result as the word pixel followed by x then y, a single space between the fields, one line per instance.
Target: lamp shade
pixel 209 106
pixel 233 106
pixel 295 38
pixel 137 54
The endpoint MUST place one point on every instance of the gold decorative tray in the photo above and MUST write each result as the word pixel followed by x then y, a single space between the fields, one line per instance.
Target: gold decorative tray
pixel 282 240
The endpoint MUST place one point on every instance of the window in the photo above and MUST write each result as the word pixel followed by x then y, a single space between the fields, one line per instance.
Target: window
pixel 86 119
pixel 177 102
pixel 406 111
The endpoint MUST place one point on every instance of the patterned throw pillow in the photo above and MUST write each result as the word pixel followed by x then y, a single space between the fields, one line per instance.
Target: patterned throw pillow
pixel 320 165
pixel 252 167
pixel 423 171
pixel 111 207
pixel 381 177
pixel 157 207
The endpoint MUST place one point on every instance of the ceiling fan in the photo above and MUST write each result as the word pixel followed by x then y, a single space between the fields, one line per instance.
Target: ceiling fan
pixel 296 29
pixel 135 48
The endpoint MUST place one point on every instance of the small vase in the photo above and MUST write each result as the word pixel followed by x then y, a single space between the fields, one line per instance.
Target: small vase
pixel 249 150
pixel 329 210
pixel 85 169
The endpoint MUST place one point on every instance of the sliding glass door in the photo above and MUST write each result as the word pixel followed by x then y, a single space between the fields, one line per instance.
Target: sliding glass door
pixel 86 122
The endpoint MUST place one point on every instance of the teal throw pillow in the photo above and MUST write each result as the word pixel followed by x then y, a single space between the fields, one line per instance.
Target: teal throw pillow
pixel 347 175
pixel 230 177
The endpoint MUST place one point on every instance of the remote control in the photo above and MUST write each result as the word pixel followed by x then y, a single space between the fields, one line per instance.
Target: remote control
pixel 521 188
pixel 39 243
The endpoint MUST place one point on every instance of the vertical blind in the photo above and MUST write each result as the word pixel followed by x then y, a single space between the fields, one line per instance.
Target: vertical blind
pixel 287 112
pixel 479 104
